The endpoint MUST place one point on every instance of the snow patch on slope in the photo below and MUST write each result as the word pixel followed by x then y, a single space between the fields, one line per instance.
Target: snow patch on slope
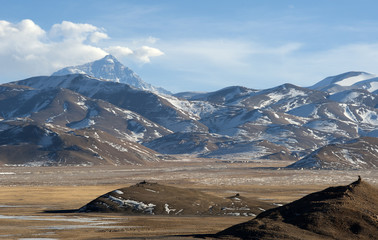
pixel 352 80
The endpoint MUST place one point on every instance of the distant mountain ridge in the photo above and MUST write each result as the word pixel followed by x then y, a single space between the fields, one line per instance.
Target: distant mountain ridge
pixel 348 81
pixel 285 122
pixel 110 68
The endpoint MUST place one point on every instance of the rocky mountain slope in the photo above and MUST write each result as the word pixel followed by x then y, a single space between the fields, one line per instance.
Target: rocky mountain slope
pixel 27 143
pixel 361 153
pixel 284 122
pixel 343 212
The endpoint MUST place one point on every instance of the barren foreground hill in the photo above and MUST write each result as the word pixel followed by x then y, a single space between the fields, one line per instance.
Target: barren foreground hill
pixel 343 212
pixel 31 198
pixel 147 198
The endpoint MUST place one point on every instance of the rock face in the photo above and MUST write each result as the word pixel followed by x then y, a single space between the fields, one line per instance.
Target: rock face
pixel 343 212
pixel 153 198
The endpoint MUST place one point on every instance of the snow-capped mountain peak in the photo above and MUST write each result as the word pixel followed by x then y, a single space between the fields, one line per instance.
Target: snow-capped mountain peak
pixel 111 69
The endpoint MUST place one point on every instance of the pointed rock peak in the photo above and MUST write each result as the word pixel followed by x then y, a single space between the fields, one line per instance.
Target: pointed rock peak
pixel 110 68
pixel 109 59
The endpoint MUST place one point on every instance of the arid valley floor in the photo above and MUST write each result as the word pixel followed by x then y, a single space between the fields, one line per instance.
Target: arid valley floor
pixel 28 193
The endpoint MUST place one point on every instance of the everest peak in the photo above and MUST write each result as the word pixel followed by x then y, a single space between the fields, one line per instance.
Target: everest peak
pixel 110 68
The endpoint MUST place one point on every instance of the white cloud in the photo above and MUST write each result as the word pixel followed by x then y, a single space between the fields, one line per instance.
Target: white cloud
pixel 145 53
pixel 28 50
pixel 21 39
pixel 119 51
pixel 227 53
pixel 69 31
pixel 97 36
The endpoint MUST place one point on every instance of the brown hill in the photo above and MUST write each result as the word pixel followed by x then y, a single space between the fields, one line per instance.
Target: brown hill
pixel 157 199
pixel 66 108
pixel 27 143
pixel 343 212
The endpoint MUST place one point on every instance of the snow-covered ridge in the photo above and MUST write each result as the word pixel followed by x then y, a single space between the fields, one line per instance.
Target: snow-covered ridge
pixel 348 80
pixel 353 80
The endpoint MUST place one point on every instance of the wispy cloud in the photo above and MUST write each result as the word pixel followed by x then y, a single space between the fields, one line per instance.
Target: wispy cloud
pixel 223 62
pixel 145 53
pixel 217 63
pixel 119 51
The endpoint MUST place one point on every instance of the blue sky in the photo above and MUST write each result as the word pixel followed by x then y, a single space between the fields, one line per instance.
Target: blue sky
pixel 197 45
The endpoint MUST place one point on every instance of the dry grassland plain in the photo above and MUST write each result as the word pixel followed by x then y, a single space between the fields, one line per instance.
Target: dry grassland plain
pixel 27 192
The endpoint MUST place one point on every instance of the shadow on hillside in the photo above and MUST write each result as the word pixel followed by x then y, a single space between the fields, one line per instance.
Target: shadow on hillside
pixel 62 211
pixel 174 237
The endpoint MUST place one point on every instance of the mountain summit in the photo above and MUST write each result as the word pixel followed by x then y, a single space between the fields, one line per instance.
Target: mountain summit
pixel 110 68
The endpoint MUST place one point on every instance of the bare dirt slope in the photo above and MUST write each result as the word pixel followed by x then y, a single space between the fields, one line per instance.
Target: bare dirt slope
pixel 156 199
pixel 343 212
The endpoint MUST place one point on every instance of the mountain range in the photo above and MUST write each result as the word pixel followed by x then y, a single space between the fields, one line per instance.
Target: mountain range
pixel 103 113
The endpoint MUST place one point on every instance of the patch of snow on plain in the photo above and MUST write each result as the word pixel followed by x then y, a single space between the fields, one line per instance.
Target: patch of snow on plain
pixel 167 209
pixel 278 204
pixel 150 190
pixel 118 192
pixel 141 206
pixel 233 214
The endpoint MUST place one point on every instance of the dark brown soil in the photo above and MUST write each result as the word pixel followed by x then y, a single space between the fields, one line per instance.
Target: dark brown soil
pixel 343 212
